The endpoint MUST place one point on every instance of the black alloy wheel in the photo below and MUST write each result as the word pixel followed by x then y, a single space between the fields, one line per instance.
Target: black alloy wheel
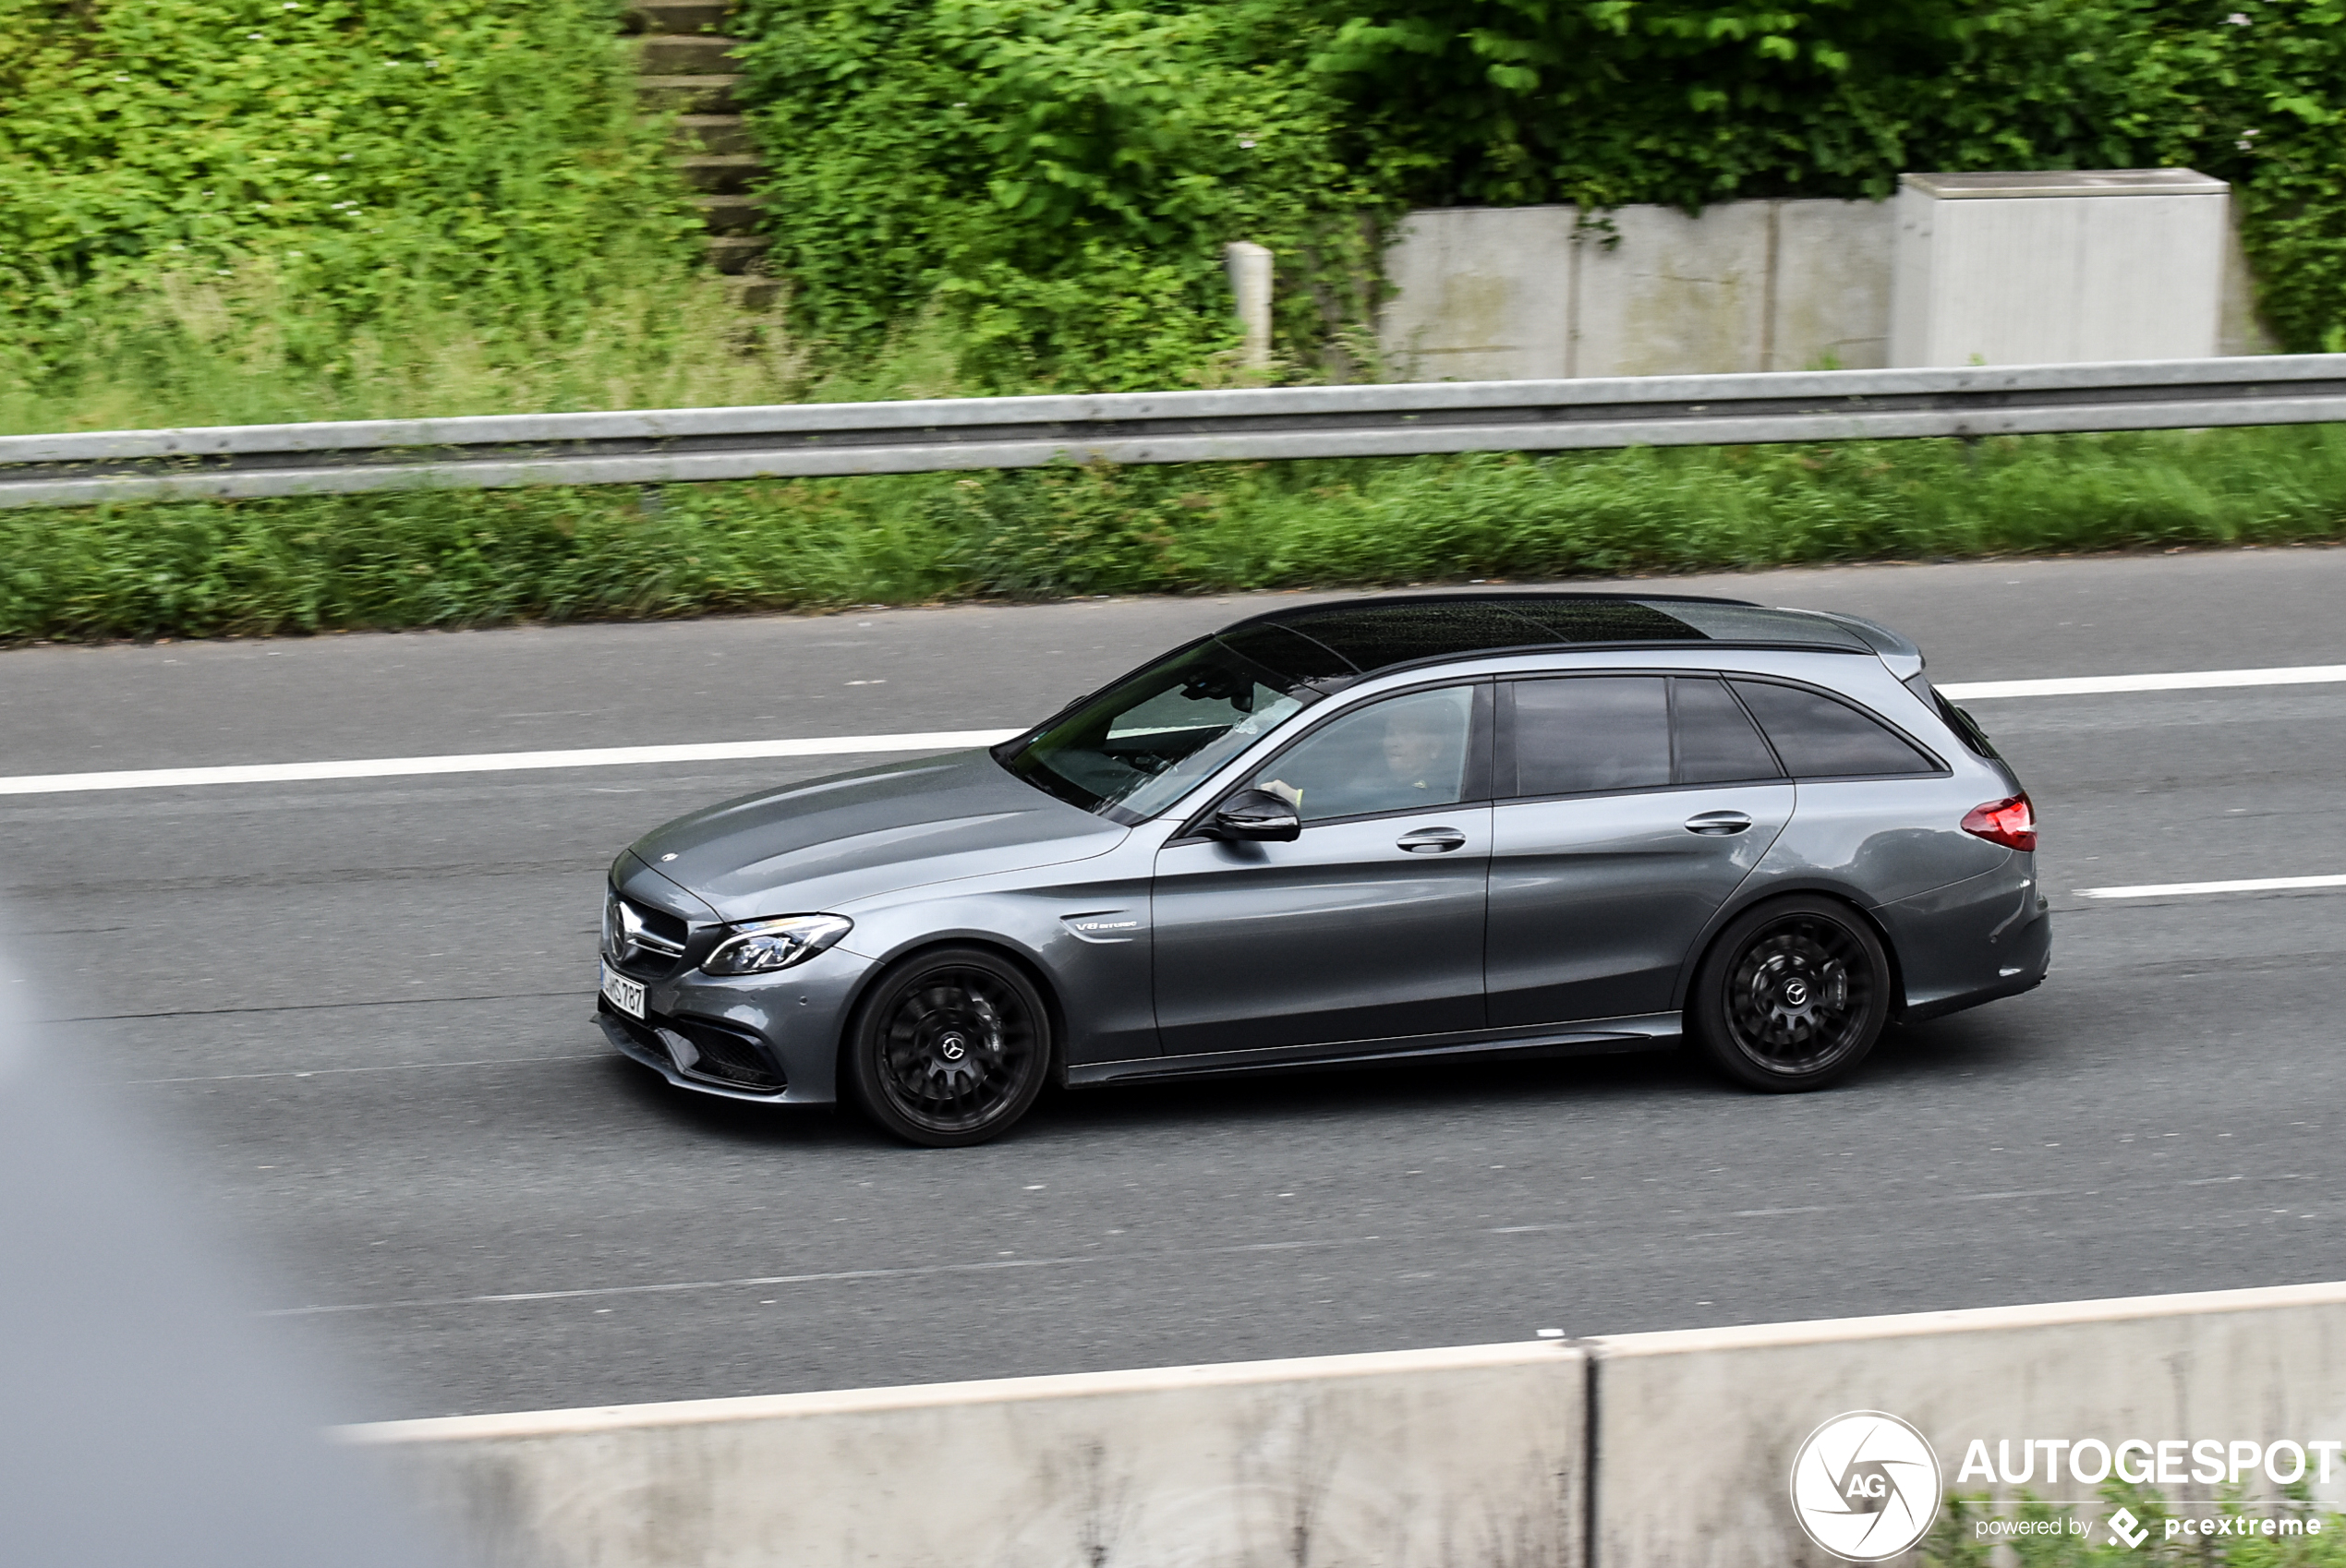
pixel 950 1048
pixel 1792 995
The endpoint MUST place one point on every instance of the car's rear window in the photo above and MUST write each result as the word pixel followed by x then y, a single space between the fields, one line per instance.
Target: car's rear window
pixel 1820 736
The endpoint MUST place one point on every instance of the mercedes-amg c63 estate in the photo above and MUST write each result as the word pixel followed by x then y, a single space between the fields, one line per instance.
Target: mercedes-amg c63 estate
pixel 1391 827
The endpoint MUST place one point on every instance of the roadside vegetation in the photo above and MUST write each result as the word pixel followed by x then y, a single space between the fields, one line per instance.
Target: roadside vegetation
pixel 226 210
pixel 258 211
pixel 470 559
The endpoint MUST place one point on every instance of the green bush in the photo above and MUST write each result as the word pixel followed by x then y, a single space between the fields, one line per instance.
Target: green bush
pixel 1053 179
pixel 217 183
pixel 469 558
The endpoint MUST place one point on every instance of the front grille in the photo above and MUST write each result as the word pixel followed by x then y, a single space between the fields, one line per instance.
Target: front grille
pixel 641 940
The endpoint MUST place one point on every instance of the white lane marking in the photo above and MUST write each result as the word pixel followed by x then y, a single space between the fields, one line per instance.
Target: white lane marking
pixel 2184 890
pixel 949 739
pixel 388 1066
pixel 2180 680
pixel 496 762
pixel 827 1277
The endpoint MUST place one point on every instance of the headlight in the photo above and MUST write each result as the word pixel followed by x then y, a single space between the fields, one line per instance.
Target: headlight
pixel 755 946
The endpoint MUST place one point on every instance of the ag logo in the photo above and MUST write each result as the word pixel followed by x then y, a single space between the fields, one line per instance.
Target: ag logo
pixel 1865 1486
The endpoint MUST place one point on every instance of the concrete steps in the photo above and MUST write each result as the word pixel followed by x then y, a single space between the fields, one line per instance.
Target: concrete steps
pixel 723 173
pixel 684 64
pixel 678 19
pixel 691 95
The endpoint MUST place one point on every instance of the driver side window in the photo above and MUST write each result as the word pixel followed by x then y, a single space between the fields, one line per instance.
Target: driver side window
pixel 1404 753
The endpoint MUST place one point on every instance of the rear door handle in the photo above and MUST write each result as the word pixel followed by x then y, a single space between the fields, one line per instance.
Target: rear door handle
pixel 1718 824
pixel 1431 841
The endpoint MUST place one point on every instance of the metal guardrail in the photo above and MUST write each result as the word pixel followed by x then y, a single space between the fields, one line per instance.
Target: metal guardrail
pixel 671 446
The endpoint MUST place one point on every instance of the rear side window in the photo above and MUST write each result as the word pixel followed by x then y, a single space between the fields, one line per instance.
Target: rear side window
pixel 1716 742
pixel 1591 732
pixel 1818 737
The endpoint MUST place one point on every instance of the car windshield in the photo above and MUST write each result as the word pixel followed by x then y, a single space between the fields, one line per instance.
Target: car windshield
pixel 1142 744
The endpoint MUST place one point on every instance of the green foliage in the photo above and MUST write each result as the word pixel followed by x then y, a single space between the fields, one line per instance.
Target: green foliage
pixel 1056 178
pixel 1506 101
pixel 461 559
pixel 478 159
pixel 2258 96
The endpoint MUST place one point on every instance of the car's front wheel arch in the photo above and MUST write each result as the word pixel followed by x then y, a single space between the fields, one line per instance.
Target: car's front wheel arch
pixel 950 1042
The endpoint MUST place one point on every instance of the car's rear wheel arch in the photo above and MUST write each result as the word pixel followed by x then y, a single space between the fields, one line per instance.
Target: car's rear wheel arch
pixel 1793 994
pixel 1735 910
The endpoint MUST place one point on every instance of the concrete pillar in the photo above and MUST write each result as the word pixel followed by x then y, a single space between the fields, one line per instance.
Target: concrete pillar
pixel 1250 270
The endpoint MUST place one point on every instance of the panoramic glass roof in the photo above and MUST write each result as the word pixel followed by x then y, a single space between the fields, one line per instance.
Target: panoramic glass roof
pixel 1372 634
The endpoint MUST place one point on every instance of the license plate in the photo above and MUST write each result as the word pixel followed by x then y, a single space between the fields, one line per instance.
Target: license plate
pixel 626 994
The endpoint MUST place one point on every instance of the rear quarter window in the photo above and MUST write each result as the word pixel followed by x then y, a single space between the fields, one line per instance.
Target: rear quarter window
pixel 1822 737
pixel 1966 728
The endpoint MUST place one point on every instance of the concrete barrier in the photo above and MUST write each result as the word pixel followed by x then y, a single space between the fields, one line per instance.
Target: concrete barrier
pixel 1697 1431
pixel 1635 1451
pixel 1421 1459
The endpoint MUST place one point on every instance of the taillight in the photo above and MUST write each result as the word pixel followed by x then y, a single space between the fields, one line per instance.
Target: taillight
pixel 2010 823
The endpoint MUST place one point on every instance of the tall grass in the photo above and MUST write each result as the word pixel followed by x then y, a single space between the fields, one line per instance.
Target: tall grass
pixel 195 348
pixel 469 558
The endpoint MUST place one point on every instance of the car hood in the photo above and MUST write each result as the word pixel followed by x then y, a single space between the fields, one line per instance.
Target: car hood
pixel 817 845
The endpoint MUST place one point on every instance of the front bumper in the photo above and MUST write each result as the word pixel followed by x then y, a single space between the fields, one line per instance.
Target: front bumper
pixel 641 1043
pixel 773 1039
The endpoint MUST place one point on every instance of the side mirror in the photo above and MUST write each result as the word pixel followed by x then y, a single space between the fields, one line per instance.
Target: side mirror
pixel 1257 816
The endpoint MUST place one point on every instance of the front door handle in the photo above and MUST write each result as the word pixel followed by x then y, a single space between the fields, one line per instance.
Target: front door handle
pixel 1431 841
pixel 1718 824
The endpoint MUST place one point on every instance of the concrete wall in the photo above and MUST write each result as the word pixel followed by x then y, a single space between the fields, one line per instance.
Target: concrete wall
pixel 1526 293
pixel 1661 1450
pixel 1422 1459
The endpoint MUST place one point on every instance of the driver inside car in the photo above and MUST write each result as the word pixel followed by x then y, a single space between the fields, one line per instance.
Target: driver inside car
pixel 1395 755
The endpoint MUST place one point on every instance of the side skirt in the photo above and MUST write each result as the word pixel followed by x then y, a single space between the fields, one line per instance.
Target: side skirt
pixel 1595 1038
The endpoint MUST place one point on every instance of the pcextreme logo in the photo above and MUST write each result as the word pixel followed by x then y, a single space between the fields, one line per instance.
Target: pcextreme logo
pixel 1865 1486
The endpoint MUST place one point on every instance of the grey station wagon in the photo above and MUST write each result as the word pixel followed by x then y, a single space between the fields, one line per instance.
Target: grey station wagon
pixel 1381 829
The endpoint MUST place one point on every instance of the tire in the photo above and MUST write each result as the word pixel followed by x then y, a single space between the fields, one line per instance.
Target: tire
pixel 1792 995
pixel 950 1048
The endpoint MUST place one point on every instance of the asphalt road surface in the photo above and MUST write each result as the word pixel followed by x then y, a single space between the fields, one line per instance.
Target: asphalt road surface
pixel 361 1009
